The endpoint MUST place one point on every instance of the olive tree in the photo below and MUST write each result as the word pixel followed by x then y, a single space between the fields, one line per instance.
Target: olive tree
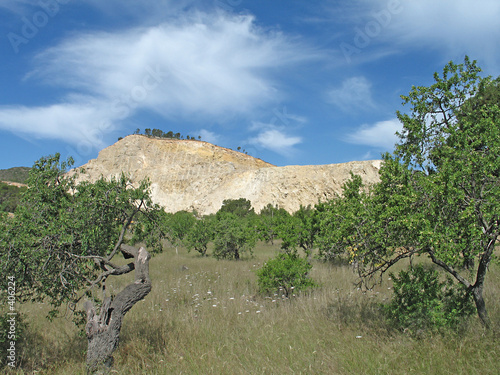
pixel 62 242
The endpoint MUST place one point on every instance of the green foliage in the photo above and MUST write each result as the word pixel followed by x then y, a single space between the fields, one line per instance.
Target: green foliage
pixel 240 207
pixel 422 302
pixel 63 235
pixel 269 222
pixel 299 230
pixel 158 133
pixel 200 234
pixel 10 196
pixel 439 193
pixel 233 235
pixel 340 223
pixel 284 275
pixel 179 225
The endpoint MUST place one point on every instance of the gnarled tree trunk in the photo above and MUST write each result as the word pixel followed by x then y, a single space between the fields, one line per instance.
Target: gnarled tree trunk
pixel 103 330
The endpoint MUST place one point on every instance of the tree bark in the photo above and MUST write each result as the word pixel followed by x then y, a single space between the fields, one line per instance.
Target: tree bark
pixel 103 330
pixel 477 295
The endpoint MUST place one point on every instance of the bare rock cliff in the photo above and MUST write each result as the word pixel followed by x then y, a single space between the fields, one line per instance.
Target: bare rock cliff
pixel 188 174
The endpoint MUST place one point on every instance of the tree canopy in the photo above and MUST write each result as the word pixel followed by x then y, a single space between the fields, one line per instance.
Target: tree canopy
pixel 61 242
pixel 439 191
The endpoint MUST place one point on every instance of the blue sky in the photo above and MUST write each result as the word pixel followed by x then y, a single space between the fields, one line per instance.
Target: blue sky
pixel 291 82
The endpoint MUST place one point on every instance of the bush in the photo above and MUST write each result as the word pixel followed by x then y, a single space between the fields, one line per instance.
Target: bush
pixel 285 274
pixel 422 302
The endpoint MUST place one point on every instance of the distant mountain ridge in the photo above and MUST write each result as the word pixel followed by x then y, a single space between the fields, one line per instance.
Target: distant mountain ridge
pixel 16 174
pixel 195 175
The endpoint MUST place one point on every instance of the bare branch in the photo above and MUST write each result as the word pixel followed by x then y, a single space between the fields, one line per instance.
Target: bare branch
pixel 382 268
pixel 94 257
pixel 448 269
pixel 124 230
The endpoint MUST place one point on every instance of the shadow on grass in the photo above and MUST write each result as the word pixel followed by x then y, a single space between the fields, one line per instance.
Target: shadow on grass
pixel 358 311
pixel 40 355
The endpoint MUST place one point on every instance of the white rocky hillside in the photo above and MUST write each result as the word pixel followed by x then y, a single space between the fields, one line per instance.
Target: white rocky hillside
pixel 194 175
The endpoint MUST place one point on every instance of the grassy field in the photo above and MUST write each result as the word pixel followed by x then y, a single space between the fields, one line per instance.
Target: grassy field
pixel 205 317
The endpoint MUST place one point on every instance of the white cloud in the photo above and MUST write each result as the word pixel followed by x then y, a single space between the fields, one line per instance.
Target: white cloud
pixel 354 93
pixel 381 135
pixel 451 27
pixel 198 65
pixel 208 64
pixel 275 139
pixel 209 136
pixel 83 124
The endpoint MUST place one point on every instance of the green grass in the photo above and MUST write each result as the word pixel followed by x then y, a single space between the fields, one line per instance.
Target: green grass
pixel 204 316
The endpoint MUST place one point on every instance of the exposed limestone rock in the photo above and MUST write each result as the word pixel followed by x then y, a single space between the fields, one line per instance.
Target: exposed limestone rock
pixel 188 174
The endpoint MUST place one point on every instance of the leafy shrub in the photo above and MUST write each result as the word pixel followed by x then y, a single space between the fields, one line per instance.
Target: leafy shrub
pixel 422 302
pixel 284 274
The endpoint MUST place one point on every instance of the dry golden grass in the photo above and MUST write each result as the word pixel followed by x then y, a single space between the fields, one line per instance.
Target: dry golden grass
pixel 205 317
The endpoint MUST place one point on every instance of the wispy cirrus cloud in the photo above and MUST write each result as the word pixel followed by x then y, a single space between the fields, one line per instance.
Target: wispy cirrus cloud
pixel 452 28
pixel 202 65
